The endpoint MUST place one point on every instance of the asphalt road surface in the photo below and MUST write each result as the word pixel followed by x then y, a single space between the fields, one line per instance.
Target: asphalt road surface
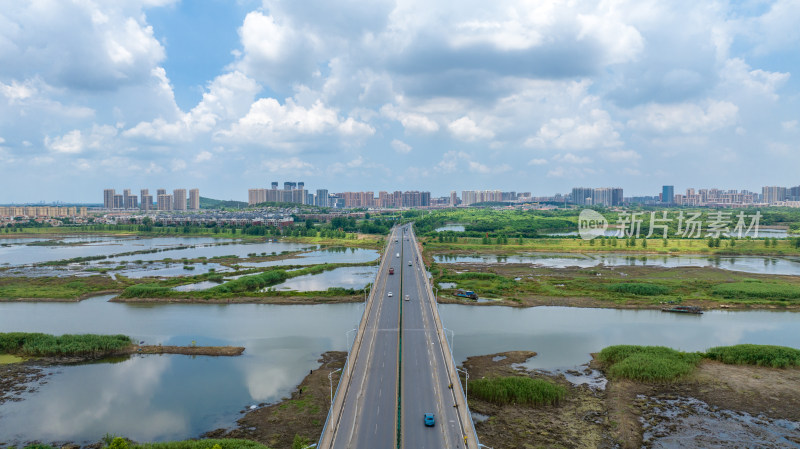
pixel 372 404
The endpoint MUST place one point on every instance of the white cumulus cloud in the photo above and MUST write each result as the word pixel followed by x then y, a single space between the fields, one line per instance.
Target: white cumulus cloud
pixel 397 145
pixel 467 130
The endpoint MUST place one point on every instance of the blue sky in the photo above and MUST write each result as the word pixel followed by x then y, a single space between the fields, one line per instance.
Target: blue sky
pixel 432 95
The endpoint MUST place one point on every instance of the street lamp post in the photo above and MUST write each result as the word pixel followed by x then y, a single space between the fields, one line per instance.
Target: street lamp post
pixel 452 343
pixel 347 336
pixel 330 380
pixel 466 384
pixel 436 294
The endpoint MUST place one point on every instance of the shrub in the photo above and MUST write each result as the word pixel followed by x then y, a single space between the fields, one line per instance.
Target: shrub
pixel 300 442
pixel 760 355
pixel 639 288
pixel 648 363
pixel 118 443
pixel 517 390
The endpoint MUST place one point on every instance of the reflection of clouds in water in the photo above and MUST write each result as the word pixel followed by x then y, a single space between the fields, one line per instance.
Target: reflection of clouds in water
pixel 281 364
pixel 733 334
pixel 564 337
pixel 265 382
pixel 751 264
pixel 345 277
pixel 120 402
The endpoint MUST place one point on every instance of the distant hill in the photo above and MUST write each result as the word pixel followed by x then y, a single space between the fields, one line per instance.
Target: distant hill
pixel 211 203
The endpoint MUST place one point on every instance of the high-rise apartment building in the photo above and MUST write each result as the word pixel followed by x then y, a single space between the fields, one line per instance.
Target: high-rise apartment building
pixel 582 195
pixel 147 202
pixel 453 198
pixel 480 196
pixel 129 201
pixel 164 202
pixel 794 193
pixel 321 199
pixel 256 196
pixel 668 194
pixel 616 196
pixel 773 194
pixel 292 192
pixel 603 196
pixel 108 198
pixel 194 199
pixel 119 202
pixel 179 199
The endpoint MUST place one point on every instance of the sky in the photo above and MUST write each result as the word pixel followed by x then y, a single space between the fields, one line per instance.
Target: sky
pixel 531 96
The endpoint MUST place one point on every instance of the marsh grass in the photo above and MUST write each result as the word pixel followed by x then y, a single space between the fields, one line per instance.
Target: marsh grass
pixel 517 390
pixel 39 345
pixel 760 355
pixel 648 363
pixel 756 289
pixel 639 289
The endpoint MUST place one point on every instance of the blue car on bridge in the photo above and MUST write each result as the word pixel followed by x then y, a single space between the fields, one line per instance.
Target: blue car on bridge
pixel 430 421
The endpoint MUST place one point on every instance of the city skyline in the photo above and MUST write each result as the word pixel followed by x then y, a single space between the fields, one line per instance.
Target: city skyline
pixel 392 95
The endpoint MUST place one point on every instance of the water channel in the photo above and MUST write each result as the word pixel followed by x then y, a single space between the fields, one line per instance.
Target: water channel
pixel 153 398
pixel 750 264
pixel 14 253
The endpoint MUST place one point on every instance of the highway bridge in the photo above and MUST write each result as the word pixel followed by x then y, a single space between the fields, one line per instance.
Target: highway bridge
pixel 400 366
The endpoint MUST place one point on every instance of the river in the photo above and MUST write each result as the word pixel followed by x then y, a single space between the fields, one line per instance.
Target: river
pixel 152 398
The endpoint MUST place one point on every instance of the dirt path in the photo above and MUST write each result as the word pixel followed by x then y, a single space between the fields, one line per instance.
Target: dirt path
pixel 186 350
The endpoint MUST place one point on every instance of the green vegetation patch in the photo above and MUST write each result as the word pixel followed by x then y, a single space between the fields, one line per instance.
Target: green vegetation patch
pixel 6 359
pixel 145 291
pixel 202 444
pixel 760 355
pixel 38 345
pixel 517 390
pixel 755 289
pixel 648 363
pixel 639 289
pixel 14 287
pixel 251 283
